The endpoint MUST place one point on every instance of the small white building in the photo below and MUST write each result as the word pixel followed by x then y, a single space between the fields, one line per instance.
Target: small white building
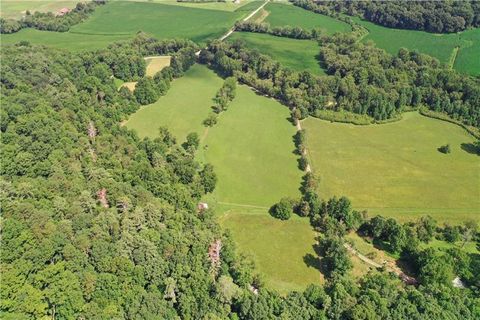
pixel 202 206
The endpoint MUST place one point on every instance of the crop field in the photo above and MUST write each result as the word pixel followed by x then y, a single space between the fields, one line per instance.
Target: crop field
pixel 251 148
pixel 15 9
pixel 395 169
pixel 468 60
pixel 121 20
pixel 299 55
pixel 182 109
pixel 439 46
pixel 63 40
pixel 222 6
pixel 284 14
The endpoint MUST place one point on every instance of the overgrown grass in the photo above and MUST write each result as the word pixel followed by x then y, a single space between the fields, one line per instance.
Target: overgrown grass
pixel 284 14
pixel 395 169
pixel 182 109
pixel 156 64
pixel 299 55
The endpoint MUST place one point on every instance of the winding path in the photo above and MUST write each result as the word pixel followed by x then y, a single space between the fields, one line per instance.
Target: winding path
pixel 232 29
pixel 405 278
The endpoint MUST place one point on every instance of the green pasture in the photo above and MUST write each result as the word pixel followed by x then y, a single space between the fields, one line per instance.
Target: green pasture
pixel 121 20
pixel 251 148
pixel 282 250
pixel 182 109
pixel 395 169
pixel 468 58
pixel 15 9
pixel 298 55
pixel 284 14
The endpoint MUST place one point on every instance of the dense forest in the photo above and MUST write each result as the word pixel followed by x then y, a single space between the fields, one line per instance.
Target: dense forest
pixel 431 16
pixel 50 21
pixel 99 224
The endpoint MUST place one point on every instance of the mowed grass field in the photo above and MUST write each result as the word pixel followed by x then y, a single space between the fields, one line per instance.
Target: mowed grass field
pixel 395 169
pixel 285 14
pixel 251 148
pixel 121 20
pixel 298 55
pixel 15 9
pixel 182 109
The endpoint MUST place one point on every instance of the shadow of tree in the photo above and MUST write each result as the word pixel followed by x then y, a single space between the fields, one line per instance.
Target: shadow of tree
pixel 470 148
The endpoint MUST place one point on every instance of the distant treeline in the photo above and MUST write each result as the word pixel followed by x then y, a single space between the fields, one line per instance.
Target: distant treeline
pixel 362 79
pixel 50 21
pixel 201 1
pixel 431 16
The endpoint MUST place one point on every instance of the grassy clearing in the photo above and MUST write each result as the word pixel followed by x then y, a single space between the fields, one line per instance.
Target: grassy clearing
pixel 395 169
pixel 283 15
pixel 15 9
pixel 251 148
pixel 156 64
pixel 280 249
pixel 391 40
pixel 468 60
pixel 469 247
pixel 182 109
pixel 296 54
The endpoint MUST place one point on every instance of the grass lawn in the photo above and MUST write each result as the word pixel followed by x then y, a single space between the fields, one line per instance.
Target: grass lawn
pixel 121 20
pixel 395 169
pixel 251 148
pixel 280 249
pixel 284 14
pixel 469 247
pixel 15 9
pixel 468 60
pixel 156 64
pixel 183 108
pixel 391 40
pixel 299 55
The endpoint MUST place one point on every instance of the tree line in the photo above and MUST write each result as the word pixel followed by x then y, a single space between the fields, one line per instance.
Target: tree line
pixel 431 16
pixel 49 21
pixel 222 99
pixel 361 79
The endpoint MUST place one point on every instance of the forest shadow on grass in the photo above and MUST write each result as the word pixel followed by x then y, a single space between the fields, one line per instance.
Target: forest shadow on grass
pixel 470 148
pixel 315 261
